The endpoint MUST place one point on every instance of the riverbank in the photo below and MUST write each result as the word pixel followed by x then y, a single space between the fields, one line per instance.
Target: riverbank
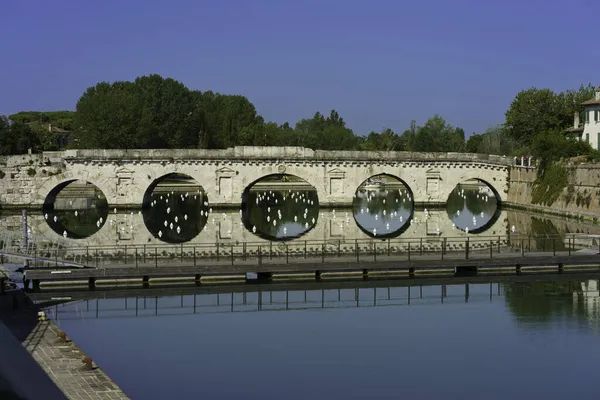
pixel 58 356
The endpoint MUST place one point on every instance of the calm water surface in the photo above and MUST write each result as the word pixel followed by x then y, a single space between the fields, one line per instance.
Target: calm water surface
pixel 494 341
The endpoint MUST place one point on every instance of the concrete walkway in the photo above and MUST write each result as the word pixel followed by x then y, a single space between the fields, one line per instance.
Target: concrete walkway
pixel 62 361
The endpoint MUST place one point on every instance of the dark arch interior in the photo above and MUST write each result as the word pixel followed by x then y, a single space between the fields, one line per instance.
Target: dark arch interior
pixel 387 183
pixel 79 214
pixel 181 203
pixel 474 207
pixel 287 194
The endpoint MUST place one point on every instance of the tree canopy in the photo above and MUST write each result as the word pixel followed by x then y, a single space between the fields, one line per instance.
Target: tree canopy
pixel 157 112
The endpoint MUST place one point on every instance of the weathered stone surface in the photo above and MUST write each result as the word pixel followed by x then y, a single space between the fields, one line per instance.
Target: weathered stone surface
pixel 581 198
pixel 125 175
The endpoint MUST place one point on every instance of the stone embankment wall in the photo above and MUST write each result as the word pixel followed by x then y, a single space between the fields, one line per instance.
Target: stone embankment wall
pixel 580 198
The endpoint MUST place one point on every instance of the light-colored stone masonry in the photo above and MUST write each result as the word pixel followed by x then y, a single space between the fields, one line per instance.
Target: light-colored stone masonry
pixel 124 176
pixel 581 198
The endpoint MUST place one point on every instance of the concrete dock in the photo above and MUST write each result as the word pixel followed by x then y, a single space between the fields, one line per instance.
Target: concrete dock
pixel 61 359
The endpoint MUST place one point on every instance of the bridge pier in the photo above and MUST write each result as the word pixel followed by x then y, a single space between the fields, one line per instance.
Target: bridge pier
pixel 91 283
pixel 365 274
pixel 465 271
pixel 317 275
pixel 145 280
pixel 518 269
pixel 561 267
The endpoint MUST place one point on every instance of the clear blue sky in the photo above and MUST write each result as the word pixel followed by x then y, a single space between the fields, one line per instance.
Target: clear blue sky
pixel 380 63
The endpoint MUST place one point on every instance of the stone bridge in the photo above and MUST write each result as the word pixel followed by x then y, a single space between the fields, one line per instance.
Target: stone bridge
pixel 124 176
pixel 226 230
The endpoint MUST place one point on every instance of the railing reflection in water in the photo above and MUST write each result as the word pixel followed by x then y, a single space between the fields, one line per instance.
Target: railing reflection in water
pixel 144 306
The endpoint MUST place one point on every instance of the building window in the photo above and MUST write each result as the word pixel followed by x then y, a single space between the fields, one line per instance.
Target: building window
pixel 596 115
pixel 587 137
pixel 598 142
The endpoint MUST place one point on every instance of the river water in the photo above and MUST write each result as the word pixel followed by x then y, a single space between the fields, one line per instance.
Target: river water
pixel 489 340
pixel 518 340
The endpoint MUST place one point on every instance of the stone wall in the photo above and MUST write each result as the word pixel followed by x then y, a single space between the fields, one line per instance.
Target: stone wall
pixel 124 176
pixel 581 198
pixel 20 176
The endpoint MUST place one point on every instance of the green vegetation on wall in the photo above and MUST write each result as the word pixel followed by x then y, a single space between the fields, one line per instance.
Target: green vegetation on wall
pixel 548 187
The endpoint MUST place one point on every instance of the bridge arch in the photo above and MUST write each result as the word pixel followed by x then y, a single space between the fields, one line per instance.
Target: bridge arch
pixel 47 191
pixel 493 218
pixel 252 214
pixel 393 188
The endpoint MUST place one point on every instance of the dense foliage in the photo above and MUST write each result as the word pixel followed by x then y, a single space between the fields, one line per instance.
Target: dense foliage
pixel 157 112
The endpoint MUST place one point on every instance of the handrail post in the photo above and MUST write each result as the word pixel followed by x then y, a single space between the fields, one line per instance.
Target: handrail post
pixel 374 251
pixel 287 254
pixel 522 248
pixel 305 249
pixel 144 254
pixel 323 253
pixel 339 248
pixel 467 249
pixel 389 248
pixel 232 256
pixel 421 246
pixel 554 246
pixel 259 255
pixel 569 246
pixel 97 258
pixel 125 262
pixel 194 256
pixel 155 256
pixel 181 253
pixel 491 249
pixel 409 251
pixel 136 257
pixel 357 250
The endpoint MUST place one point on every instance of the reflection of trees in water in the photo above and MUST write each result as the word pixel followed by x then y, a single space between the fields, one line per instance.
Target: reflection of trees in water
pixel 541 228
pixel 382 212
pixel 543 302
pixel 78 227
pixel 377 205
pixel 471 202
pixel 155 216
pixel 255 215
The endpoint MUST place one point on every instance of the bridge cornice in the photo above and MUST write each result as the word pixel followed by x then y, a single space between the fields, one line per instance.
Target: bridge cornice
pixel 273 154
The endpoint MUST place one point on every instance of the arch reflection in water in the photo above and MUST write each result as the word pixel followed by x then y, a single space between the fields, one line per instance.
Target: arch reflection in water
pixel 75 209
pixel 175 208
pixel 383 206
pixel 473 206
pixel 280 207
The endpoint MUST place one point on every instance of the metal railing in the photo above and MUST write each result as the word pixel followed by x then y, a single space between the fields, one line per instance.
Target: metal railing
pixel 298 251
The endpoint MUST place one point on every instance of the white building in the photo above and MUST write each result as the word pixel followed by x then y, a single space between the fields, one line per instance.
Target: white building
pixel 586 126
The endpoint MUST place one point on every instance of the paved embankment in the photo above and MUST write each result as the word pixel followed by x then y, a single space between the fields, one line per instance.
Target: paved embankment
pixel 61 359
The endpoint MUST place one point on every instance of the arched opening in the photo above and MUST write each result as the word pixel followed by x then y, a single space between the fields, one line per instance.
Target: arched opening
pixel 383 206
pixel 175 208
pixel 75 209
pixel 280 207
pixel 473 206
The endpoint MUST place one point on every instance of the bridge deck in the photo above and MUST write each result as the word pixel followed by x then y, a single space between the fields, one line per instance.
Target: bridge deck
pixel 314 265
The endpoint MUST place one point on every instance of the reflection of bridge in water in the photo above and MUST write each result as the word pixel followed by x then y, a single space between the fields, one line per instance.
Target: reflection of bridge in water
pixel 226 229
pixel 290 297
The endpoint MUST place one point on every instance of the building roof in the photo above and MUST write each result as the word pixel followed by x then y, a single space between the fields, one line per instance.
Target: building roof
pixel 591 102
pixel 574 130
